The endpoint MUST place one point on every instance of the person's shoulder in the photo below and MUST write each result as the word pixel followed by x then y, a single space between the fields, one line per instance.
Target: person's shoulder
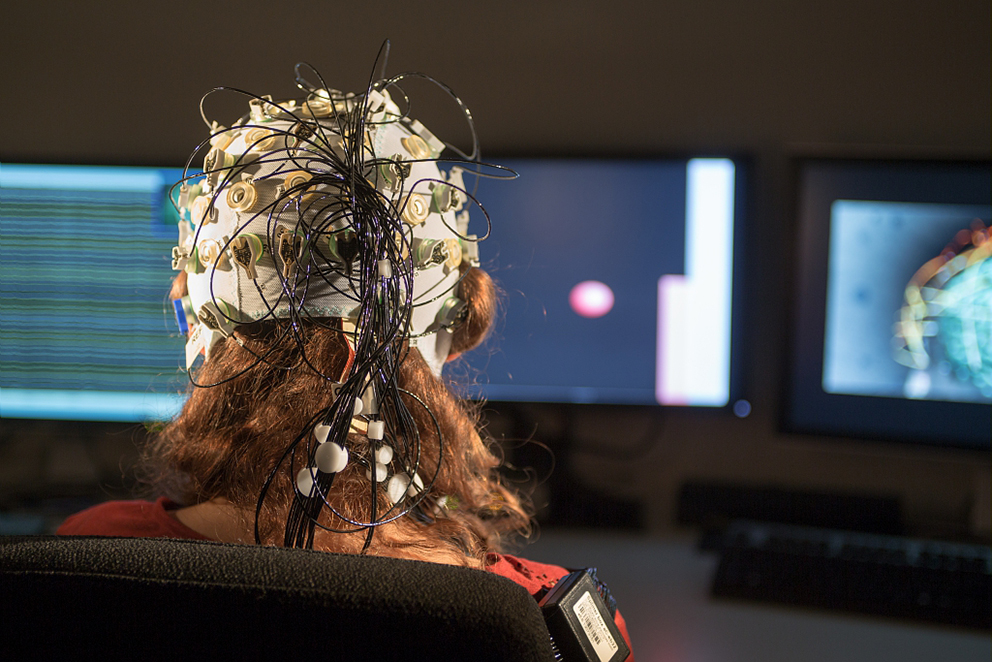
pixel 137 518
pixel 534 576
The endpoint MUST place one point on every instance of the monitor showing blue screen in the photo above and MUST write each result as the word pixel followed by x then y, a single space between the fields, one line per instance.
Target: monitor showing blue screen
pixel 618 278
pixel 617 274
pixel 893 325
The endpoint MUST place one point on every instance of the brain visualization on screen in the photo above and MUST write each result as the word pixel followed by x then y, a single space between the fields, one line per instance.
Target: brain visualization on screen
pixel 892 334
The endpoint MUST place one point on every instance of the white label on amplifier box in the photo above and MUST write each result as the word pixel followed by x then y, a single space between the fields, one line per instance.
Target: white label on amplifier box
pixel 595 627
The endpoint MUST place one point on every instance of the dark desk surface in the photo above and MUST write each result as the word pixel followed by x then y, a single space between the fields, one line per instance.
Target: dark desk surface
pixel 662 588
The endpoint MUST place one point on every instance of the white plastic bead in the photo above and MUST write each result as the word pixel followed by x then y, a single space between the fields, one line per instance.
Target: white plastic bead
pixel 331 458
pixel 377 430
pixel 358 406
pixel 396 487
pixel 321 431
pixel 416 486
pixel 380 472
pixel 304 480
pixel 384 455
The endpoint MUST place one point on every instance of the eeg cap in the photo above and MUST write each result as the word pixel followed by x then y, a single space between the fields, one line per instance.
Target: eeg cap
pixel 303 204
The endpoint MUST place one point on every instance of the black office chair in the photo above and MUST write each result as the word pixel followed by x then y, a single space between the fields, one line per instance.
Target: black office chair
pixel 160 599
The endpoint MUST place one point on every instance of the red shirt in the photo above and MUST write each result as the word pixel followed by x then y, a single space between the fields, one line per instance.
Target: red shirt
pixel 129 519
pixel 144 519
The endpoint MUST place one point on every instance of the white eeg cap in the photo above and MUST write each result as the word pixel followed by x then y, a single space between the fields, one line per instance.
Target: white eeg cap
pixel 268 231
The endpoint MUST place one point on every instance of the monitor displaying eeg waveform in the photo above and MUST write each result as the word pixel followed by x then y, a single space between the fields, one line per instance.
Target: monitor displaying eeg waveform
pixel 83 280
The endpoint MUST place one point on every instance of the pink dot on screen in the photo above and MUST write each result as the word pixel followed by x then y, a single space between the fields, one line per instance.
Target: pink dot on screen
pixel 590 298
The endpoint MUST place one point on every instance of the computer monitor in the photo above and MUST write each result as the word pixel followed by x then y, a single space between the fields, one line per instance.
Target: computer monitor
pixel 892 334
pixel 619 280
pixel 85 327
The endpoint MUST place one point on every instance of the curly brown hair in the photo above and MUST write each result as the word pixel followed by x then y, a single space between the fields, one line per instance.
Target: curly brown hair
pixel 230 437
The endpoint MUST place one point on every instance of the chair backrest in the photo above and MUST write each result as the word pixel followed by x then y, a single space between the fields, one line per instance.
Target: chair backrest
pixel 152 599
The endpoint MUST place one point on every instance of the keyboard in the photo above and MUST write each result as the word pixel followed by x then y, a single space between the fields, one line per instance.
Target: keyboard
pixel 893 576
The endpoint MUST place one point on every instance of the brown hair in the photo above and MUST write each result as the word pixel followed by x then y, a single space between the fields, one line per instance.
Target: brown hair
pixel 229 437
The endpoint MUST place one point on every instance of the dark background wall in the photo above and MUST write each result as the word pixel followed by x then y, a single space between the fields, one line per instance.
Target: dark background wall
pixel 118 82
